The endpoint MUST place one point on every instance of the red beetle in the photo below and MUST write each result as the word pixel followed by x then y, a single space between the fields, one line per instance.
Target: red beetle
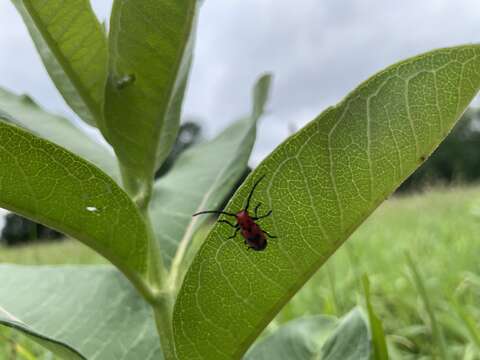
pixel 255 237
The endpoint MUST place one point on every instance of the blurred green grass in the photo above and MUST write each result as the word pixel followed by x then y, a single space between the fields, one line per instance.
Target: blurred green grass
pixel 51 253
pixel 438 229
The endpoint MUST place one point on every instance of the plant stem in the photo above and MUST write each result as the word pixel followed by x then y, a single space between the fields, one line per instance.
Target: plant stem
pixel 140 191
pixel 161 296
pixel 158 291
pixel 163 310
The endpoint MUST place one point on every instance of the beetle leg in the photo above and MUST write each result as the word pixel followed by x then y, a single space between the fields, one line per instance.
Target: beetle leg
pixel 235 233
pixel 263 216
pixel 256 209
pixel 270 236
pixel 227 222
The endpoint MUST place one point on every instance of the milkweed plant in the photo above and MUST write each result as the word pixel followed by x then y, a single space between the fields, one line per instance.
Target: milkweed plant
pixel 172 291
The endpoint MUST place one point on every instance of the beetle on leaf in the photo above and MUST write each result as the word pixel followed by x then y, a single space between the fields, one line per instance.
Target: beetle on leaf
pixel 255 237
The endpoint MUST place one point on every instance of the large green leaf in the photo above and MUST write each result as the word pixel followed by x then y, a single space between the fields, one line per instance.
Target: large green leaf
pixel 73 47
pixel 350 341
pixel 321 184
pixel 78 312
pixel 150 54
pixel 202 177
pixel 22 111
pixel 317 337
pixel 48 184
pixel 298 339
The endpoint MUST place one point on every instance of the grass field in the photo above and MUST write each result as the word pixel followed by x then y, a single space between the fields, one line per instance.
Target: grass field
pixel 439 232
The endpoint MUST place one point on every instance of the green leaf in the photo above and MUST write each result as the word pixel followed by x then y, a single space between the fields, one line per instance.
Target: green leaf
pixel 316 337
pixel 150 53
pixel 73 48
pixel 78 312
pixel 321 184
pixel 202 177
pixel 378 336
pixel 350 341
pixel 24 112
pixel 298 339
pixel 48 184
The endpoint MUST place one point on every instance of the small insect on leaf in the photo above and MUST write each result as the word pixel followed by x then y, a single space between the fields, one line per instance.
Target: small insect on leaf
pixel 254 236
pixel 125 81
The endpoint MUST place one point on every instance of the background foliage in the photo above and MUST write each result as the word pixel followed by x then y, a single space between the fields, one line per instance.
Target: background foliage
pixel 449 271
pixel 457 159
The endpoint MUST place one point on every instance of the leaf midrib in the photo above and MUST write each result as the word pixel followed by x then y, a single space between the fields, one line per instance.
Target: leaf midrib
pixel 167 97
pixel 93 106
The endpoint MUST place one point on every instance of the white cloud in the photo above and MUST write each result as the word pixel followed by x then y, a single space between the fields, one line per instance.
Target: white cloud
pixel 318 52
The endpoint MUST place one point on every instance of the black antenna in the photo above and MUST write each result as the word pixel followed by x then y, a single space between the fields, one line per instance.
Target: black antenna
pixel 213 212
pixel 251 191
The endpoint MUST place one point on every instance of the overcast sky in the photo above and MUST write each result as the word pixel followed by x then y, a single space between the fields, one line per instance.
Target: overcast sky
pixel 317 50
